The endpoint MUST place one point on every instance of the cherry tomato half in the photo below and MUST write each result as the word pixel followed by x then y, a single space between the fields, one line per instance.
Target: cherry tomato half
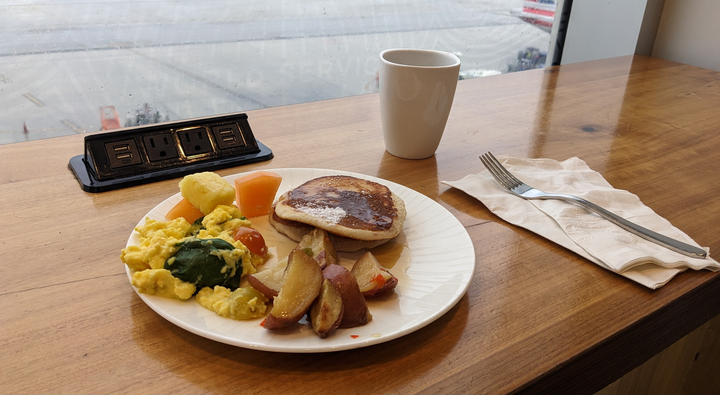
pixel 252 239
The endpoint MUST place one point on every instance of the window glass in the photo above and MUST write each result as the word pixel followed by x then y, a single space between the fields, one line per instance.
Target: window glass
pixel 71 67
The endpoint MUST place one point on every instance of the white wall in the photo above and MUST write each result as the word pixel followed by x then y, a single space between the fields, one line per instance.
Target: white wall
pixel 600 29
pixel 684 31
pixel 689 32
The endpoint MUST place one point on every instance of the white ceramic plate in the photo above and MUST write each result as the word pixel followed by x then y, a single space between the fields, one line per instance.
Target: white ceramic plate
pixel 433 259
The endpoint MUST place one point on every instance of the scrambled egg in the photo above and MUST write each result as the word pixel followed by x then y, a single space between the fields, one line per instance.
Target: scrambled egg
pixel 218 225
pixel 159 239
pixel 159 242
pixel 160 282
pixel 242 304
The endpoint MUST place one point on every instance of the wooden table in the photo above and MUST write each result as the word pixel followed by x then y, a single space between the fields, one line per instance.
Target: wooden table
pixel 536 318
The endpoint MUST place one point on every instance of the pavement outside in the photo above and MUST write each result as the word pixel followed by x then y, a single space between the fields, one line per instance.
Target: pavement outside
pixel 61 61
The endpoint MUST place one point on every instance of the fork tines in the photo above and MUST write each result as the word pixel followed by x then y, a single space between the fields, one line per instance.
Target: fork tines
pixel 498 171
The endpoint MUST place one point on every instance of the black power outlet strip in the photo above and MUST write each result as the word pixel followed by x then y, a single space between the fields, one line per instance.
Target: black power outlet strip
pixel 139 155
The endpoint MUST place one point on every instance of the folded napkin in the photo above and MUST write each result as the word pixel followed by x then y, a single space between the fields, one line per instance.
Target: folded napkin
pixel 579 230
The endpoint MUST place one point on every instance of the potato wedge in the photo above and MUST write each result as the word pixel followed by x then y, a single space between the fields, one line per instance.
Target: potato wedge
pixel 327 311
pixel 269 281
pixel 355 310
pixel 317 244
pixel 300 287
pixel 373 279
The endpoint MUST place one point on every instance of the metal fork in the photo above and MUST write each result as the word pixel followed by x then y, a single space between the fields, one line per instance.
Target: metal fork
pixel 519 188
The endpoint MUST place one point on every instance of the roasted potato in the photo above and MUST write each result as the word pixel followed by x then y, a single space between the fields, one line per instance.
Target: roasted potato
pixel 327 311
pixel 373 279
pixel 355 310
pixel 269 281
pixel 300 287
pixel 317 244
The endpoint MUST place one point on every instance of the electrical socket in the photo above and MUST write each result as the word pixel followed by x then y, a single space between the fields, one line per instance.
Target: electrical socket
pixel 194 141
pixel 123 153
pixel 160 147
pixel 138 155
pixel 228 136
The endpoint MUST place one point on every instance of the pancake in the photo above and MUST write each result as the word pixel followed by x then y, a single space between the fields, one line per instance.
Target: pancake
pixel 345 206
pixel 296 230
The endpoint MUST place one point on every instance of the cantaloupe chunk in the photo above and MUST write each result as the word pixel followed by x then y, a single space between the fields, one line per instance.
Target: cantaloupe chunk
pixel 206 191
pixel 255 192
pixel 184 209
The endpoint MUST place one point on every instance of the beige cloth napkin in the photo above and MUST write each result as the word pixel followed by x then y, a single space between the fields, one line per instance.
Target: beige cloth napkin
pixel 579 230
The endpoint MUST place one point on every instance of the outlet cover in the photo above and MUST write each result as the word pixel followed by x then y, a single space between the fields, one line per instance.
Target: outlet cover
pixel 160 146
pixel 228 136
pixel 194 141
pixel 122 153
pixel 143 154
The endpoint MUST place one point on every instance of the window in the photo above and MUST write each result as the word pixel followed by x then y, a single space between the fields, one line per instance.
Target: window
pixel 81 66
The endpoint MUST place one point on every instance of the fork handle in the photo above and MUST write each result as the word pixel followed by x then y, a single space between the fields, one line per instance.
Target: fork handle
pixel 647 234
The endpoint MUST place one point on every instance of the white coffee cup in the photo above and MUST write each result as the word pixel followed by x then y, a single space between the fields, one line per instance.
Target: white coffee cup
pixel 417 88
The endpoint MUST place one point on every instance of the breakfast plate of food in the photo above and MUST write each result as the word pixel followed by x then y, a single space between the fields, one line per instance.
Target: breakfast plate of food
pixel 409 257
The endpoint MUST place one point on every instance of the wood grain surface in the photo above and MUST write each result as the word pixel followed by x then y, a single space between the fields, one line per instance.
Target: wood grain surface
pixel 536 318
